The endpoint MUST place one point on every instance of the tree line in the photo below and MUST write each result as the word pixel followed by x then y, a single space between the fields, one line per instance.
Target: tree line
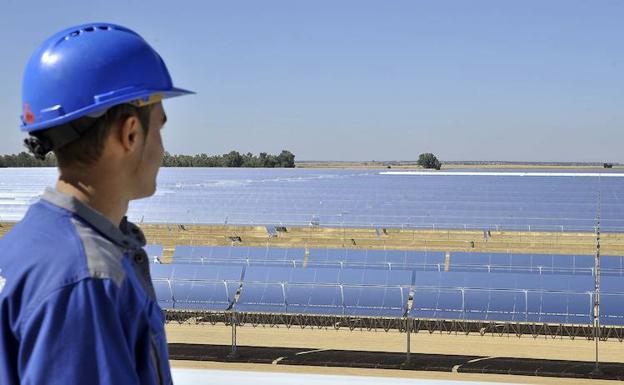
pixel 231 159
pixel 24 159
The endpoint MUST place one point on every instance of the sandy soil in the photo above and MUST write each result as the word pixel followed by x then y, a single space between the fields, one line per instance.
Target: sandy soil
pixel 393 341
pixel 561 348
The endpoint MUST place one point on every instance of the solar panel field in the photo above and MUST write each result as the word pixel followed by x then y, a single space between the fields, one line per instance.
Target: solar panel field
pixel 553 202
pixel 475 264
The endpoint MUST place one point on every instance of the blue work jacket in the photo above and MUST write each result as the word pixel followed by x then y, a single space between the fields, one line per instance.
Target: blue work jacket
pixel 77 305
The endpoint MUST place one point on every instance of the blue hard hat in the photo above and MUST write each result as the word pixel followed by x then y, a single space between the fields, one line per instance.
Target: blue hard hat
pixel 84 70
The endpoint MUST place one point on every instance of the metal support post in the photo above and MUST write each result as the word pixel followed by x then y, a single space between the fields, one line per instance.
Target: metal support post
pixel 408 330
pixel 234 353
pixel 597 272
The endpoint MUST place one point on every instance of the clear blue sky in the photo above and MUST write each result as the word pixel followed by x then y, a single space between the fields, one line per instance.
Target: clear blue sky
pixel 536 80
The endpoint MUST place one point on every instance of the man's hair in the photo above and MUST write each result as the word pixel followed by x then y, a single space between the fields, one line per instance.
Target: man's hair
pixel 87 149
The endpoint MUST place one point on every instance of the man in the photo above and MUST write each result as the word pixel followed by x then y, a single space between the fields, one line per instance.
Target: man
pixel 77 304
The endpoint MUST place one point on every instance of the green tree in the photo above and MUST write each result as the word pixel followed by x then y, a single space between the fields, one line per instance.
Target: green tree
pixel 50 160
pixel 167 161
pixel 286 159
pixel 233 159
pixel 428 160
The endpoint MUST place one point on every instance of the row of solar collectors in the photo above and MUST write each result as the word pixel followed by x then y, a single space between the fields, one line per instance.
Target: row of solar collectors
pixel 398 259
pixel 373 277
pixel 560 299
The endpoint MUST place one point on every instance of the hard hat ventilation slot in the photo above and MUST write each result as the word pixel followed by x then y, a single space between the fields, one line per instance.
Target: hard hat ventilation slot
pixel 89 29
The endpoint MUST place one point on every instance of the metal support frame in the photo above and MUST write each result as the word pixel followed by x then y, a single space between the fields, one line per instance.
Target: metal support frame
pixel 597 370
pixel 492 328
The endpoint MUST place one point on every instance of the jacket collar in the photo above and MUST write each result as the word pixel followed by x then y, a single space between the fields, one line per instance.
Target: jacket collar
pixel 127 235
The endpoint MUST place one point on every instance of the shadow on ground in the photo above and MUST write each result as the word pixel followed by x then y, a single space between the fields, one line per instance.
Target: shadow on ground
pixel 386 360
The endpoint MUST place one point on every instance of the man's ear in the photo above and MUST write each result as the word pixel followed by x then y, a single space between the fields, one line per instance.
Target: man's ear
pixel 130 133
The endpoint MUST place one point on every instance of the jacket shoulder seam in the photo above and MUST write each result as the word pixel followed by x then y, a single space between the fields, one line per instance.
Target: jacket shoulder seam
pixel 42 299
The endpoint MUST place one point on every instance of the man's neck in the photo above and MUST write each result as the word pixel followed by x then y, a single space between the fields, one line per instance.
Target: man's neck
pixel 99 195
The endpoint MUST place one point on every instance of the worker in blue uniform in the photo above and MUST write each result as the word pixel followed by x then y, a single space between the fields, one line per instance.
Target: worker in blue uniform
pixel 77 304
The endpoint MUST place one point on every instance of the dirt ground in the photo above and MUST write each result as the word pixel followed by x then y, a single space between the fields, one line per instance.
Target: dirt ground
pixel 560 348
pixel 448 241
pixel 393 341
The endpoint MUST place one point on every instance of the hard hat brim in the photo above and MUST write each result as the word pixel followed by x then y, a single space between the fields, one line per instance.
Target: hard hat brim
pixel 101 103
